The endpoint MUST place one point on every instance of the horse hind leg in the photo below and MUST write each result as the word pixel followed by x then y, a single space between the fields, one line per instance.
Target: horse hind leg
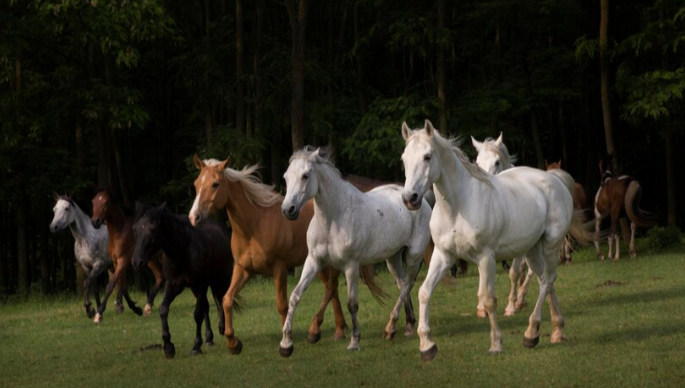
pixel 201 311
pixel 633 252
pixel 598 226
pixel 329 277
pixel 352 276
pixel 486 268
pixel 155 267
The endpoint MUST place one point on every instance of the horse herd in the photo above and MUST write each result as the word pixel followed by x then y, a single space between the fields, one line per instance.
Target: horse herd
pixel 447 209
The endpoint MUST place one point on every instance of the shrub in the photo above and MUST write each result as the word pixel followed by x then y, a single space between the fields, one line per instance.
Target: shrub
pixel 664 237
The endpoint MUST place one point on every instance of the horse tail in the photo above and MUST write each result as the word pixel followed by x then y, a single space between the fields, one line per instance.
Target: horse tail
pixel 238 304
pixel 368 274
pixel 632 205
pixel 582 232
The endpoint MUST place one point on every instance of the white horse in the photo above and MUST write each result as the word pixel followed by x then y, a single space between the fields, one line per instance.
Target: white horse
pixel 90 246
pixel 349 229
pixel 494 157
pixel 478 217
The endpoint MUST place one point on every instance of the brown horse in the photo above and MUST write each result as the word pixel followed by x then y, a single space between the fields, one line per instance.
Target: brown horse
pixel 618 198
pixel 579 204
pixel 122 242
pixel 263 241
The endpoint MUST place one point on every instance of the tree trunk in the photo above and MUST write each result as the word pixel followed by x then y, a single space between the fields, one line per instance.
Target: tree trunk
pixel 239 68
pixel 606 98
pixel 297 11
pixel 363 104
pixel 441 70
pixel 4 251
pixel 22 245
pixel 44 250
pixel 258 81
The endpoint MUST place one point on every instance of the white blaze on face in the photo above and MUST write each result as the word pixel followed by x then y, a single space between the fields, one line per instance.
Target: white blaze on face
pixel 194 211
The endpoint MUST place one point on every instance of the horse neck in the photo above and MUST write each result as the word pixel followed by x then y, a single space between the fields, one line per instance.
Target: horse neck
pixel 245 216
pixel 176 238
pixel 332 194
pixel 116 220
pixel 81 226
pixel 455 182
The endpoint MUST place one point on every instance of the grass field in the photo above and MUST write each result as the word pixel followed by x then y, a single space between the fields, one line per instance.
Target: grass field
pixel 629 334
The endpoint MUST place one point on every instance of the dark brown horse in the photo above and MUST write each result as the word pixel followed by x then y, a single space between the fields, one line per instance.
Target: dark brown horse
pixel 195 257
pixel 619 197
pixel 120 248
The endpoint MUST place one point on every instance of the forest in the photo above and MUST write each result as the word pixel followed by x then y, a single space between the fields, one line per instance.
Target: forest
pixel 122 93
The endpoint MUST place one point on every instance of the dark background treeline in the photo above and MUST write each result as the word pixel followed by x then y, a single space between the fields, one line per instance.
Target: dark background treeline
pixel 121 94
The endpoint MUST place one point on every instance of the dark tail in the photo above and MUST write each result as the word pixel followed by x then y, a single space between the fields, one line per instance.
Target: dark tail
pixel 632 204
pixel 582 232
pixel 367 274
pixel 238 304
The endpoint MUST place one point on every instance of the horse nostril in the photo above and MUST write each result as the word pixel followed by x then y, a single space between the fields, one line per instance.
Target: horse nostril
pixel 414 197
pixel 291 210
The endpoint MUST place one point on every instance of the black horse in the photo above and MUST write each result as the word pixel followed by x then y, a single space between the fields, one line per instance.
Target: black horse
pixel 196 257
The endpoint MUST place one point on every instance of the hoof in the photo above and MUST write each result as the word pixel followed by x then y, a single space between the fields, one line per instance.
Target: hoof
pixel 286 352
pixel 147 310
pixel 90 313
pixel 429 354
pixel 119 308
pixel 209 343
pixel 137 310
pixel 556 339
pixel 495 351
pixel 98 318
pixel 481 313
pixel 237 348
pixel 339 337
pixel 409 331
pixel 633 254
pixel 509 313
pixel 195 352
pixel 530 342
pixel 353 348
pixel 313 338
pixel 389 336
pixel 170 351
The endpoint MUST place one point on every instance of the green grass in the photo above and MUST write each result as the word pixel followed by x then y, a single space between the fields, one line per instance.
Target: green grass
pixel 629 335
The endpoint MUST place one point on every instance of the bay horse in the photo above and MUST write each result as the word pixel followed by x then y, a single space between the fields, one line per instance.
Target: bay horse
pixel 479 216
pixel 122 240
pixel 263 241
pixel 619 197
pixel 493 157
pixel 196 257
pixel 349 229
pixel 579 204
pixel 90 245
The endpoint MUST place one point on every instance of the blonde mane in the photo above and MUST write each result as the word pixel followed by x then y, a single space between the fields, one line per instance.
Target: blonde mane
pixel 257 193
pixel 506 159
pixel 453 143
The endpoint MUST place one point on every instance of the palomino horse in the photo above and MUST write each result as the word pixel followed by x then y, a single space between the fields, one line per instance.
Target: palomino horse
pixel 263 241
pixel 120 248
pixel 618 198
pixel 478 216
pixel 349 229
pixel 90 245
pixel 199 258
pixel 493 157
pixel 579 204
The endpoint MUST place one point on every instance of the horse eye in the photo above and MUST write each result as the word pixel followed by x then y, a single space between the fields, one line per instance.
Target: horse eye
pixel 305 176
pixel 497 163
pixel 215 185
pixel 427 158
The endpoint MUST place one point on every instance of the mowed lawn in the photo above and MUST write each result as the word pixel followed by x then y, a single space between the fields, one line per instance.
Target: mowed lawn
pixel 625 324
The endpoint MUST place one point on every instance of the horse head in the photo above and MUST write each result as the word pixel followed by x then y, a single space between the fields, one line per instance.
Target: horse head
pixel 302 180
pixel 209 187
pixel 421 164
pixel 147 231
pixel 64 212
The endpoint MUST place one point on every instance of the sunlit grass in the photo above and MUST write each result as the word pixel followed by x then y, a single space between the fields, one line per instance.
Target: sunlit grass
pixel 630 334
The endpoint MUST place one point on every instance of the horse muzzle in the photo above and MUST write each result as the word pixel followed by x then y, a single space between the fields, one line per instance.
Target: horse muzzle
pixel 412 201
pixel 97 223
pixel 291 213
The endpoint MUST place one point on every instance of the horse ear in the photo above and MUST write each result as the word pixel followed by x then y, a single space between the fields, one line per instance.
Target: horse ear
pixel 476 144
pixel 162 206
pixel 430 130
pixel 498 142
pixel 198 163
pixel 55 195
pixel 406 131
pixel 559 163
pixel 224 164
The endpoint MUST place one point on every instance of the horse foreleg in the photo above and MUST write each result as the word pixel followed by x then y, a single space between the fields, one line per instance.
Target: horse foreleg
pixel 487 270
pixel 238 280
pixel 108 291
pixel 311 268
pixel 123 288
pixel 171 291
pixel 440 263
pixel 514 273
pixel 156 267
pixel 633 252
pixel 201 312
pixel 352 277
pixel 91 282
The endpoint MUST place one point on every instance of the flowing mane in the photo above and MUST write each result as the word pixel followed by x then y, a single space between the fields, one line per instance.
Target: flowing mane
pixel 452 143
pixel 324 157
pixel 257 193
pixel 506 159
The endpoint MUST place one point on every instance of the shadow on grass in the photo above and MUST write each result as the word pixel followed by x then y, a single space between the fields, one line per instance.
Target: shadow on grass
pixel 639 297
pixel 640 334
